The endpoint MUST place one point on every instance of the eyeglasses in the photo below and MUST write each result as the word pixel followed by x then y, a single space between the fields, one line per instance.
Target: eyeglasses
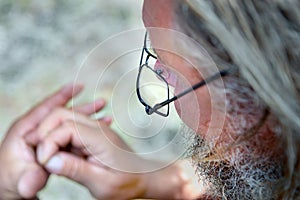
pixel 152 88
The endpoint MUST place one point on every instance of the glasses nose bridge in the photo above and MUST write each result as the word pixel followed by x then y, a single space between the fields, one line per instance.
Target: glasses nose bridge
pixel 147 58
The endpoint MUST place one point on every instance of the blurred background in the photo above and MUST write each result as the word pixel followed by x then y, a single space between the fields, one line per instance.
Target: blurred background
pixel 42 44
pixel 45 44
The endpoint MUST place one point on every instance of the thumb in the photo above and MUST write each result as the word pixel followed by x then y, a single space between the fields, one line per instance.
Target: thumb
pixel 72 167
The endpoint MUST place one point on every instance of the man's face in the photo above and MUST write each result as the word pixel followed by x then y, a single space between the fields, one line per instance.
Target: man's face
pixel 195 108
pixel 251 162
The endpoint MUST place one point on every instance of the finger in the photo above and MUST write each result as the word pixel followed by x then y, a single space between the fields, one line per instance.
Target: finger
pixel 32 181
pixel 107 120
pixel 116 185
pixel 58 117
pixel 76 168
pixel 90 108
pixel 93 141
pixel 36 115
pixel 51 122
pixel 68 133
pixel 32 138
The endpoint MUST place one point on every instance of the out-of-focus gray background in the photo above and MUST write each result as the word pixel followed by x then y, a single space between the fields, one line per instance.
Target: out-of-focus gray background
pixel 42 44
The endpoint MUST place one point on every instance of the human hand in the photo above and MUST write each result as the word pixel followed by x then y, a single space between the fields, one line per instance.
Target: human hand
pixel 99 163
pixel 93 151
pixel 21 176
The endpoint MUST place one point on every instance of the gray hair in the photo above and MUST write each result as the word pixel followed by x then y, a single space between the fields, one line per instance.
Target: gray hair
pixel 262 38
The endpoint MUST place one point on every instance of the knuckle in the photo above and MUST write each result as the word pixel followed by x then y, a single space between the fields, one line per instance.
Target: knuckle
pixel 21 126
pixel 69 125
pixel 72 169
pixel 75 169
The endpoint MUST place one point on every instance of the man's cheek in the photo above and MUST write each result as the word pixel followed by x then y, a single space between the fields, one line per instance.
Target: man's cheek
pixel 187 108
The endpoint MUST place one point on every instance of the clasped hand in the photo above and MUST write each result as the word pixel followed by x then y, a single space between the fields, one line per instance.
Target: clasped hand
pixel 32 149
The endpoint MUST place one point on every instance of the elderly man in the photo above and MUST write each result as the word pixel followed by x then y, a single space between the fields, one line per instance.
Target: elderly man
pixel 242 107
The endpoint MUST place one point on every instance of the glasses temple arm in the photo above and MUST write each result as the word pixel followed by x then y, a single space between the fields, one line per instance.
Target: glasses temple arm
pixel 222 73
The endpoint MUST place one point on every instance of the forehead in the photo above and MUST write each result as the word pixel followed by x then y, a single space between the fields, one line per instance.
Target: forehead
pixel 158 18
pixel 158 13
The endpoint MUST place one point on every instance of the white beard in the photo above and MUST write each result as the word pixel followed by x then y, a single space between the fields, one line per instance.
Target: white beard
pixel 242 177
pixel 249 170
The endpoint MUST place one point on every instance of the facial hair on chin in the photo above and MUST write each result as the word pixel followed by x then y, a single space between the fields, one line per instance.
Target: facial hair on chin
pixel 246 179
pixel 247 171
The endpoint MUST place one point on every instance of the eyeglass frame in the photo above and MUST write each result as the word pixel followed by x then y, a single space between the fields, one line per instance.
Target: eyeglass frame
pixel 150 110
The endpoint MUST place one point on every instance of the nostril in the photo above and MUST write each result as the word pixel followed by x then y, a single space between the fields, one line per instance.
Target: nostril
pixel 159 71
pixel 165 74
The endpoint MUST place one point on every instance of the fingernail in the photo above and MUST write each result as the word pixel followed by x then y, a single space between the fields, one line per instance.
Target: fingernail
pixel 107 119
pixel 41 154
pixel 55 164
pixel 77 87
pixel 67 87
